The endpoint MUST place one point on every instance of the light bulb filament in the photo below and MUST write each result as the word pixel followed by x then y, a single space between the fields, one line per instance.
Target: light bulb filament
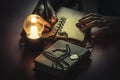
pixel 34 34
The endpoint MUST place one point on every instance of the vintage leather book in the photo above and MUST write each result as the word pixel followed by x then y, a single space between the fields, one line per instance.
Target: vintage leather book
pixel 60 58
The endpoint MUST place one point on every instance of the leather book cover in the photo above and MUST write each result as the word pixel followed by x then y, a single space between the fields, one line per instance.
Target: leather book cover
pixel 65 56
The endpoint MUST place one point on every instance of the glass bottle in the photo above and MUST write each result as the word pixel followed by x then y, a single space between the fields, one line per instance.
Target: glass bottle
pixel 45 10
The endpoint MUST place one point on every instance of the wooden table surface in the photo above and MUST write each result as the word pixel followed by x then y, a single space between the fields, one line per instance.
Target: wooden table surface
pixel 17 62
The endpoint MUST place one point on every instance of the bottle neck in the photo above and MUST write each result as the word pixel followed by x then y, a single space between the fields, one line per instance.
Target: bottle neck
pixel 43 9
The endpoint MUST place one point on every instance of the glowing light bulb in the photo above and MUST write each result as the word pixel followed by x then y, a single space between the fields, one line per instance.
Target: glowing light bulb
pixel 33 19
pixel 34 34
pixel 33 26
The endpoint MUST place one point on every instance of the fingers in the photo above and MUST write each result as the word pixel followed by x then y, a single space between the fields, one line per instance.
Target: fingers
pixel 94 21
pixel 46 29
pixel 47 25
pixel 91 14
pixel 53 20
pixel 44 22
pixel 91 20
pixel 92 24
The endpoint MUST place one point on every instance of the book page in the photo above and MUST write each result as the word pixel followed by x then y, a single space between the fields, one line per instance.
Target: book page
pixel 72 17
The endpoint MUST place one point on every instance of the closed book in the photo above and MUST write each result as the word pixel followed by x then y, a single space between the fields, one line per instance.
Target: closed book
pixel 61 58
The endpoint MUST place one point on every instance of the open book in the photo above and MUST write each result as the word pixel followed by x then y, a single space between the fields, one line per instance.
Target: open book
pixel 66 25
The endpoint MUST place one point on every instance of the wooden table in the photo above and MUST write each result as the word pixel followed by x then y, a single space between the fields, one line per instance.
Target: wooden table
pixel 17 62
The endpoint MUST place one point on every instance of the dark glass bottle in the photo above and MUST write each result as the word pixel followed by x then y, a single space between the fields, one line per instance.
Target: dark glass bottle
pixel 45 10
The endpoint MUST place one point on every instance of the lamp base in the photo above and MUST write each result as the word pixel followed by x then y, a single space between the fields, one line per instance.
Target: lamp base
pixel 31 44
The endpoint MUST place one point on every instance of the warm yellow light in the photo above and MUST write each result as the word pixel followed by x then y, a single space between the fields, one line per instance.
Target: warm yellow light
pixel 33 26
pixel 33 20
pixel 34 34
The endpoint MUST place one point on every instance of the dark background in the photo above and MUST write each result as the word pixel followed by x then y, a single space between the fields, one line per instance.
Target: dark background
pixel 16 65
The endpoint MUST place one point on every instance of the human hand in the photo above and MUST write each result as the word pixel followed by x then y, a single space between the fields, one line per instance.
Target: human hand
pixel 94 22
pixel 48 25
